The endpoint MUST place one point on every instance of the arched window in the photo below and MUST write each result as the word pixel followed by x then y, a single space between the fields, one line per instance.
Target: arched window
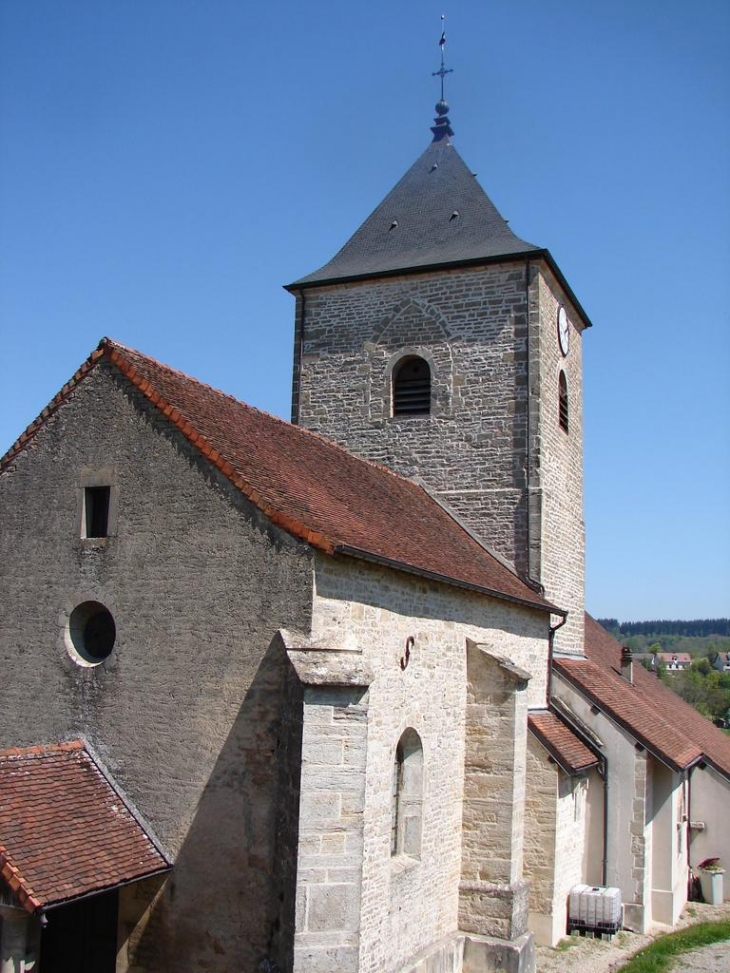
pixel 412 387
pixel 407 797
pixel 563 401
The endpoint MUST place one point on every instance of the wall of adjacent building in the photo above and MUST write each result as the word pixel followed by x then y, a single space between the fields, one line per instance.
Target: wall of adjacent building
pixel 186 711
pixel 709 802
pixel 628 858
pixel 646 851
pixel 410 903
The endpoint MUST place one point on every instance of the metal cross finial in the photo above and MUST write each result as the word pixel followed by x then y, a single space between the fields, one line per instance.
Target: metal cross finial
pixel 442 126
pixel 442 71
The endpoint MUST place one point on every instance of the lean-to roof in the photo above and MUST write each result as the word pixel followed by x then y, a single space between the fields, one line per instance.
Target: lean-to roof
pixel 65 832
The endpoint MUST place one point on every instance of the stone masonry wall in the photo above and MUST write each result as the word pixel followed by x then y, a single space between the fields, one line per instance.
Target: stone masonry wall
pixel 471 325
pixel 559 458
pixel 409 903
pixel 570 843
pixel 540 826
pixel 330 853
pixel 186 711
pixel 493 893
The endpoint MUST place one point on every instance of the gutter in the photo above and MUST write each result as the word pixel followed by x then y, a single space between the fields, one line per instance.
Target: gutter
pixel 387 562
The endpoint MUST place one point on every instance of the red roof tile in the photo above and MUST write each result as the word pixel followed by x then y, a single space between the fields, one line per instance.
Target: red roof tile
pixel 567 749
pixel 659 719
pixel 306 484
pixel 64 830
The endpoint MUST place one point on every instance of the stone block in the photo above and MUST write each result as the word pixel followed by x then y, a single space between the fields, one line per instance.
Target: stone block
pixel 333 907
pixel 487 955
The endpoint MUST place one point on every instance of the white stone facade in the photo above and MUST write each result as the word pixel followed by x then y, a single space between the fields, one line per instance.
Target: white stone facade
pixel 411 904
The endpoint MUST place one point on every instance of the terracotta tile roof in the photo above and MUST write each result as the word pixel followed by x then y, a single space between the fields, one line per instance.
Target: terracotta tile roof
pixel 567 749
pixel 659 719
pixel 306 484
pixel 64 830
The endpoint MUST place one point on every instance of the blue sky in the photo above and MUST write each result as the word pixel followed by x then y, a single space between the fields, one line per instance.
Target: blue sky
pixel 166 165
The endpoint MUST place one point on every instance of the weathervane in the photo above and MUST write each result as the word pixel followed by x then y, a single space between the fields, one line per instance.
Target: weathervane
pixel 442 71
pixel 442 127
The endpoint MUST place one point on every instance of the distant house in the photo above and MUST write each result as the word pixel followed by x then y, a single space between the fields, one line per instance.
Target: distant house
pixel 675 661
pixel 722 662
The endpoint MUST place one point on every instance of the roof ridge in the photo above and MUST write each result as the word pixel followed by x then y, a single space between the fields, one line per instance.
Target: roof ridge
pixel 213 455
pixel 304 430
pixel 108 347
pixel 42 749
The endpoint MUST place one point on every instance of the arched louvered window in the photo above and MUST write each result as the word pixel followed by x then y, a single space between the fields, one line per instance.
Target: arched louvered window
pixel 563 401
pixel 412 387
pixel 407 796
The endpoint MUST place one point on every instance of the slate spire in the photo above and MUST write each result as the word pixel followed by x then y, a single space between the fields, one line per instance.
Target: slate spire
pixel 437 215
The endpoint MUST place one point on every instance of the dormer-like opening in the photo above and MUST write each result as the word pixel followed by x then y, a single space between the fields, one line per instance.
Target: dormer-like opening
pixel 96 511
pixel 412 387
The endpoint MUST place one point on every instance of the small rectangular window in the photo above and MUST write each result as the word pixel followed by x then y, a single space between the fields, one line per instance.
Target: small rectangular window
pixel 96 511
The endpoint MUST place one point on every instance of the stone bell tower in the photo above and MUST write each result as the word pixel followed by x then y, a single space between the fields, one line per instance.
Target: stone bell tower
pixel 441 344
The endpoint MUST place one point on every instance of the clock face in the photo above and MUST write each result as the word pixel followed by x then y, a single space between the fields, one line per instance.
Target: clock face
pixel 563 331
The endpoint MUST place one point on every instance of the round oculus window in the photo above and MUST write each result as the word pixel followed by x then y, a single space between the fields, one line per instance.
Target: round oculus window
pixel 91 633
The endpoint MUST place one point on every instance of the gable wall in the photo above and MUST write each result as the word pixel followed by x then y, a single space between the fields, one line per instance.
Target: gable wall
pixel 407 906
pixel 185 712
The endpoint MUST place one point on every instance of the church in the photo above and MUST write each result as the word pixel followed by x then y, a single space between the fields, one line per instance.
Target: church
pixel 323 696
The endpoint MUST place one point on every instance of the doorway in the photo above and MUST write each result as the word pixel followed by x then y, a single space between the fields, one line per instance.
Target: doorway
pixel 81 936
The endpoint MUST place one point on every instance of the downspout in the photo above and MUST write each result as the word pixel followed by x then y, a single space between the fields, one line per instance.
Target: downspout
pixel 688 812
pixel 551 640
pixel 603 771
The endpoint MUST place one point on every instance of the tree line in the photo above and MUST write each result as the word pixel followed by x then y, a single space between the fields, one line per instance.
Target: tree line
pixel 696 628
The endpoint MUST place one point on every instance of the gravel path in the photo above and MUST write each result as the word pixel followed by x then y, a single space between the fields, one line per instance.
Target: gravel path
pixel 580 955
pixel 706 959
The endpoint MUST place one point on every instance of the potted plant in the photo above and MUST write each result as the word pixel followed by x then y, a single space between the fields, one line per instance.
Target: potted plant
pixel 711 881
